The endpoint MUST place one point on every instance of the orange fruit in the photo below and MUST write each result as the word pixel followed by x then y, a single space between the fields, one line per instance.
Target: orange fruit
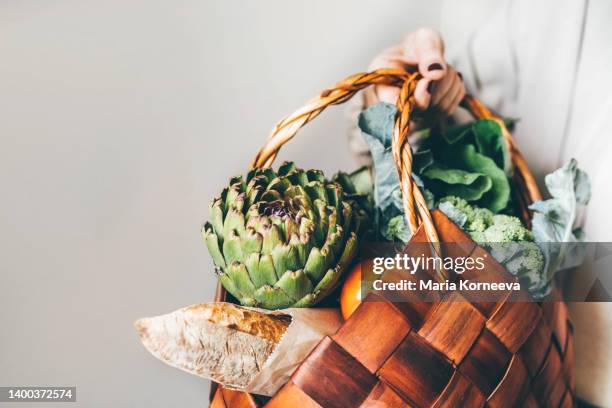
pixel 350 296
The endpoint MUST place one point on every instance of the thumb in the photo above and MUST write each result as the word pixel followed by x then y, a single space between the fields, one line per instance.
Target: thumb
pixel 426 48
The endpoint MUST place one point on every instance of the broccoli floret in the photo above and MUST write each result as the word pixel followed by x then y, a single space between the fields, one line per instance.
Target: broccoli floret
pixel 458 203
pixel 504 236
pixel 480 219
pixel 478 236
pixel 476 219
pixel 482 224
pixel 524 259
pixel 506 228
pixel 527 263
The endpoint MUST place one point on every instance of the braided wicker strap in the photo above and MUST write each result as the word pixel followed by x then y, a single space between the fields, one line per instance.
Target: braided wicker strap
pixel 415 207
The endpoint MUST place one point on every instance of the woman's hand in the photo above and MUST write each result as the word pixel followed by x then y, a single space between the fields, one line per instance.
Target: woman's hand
pixel 441 87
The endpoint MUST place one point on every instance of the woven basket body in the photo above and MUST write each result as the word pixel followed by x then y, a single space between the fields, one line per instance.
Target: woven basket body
pixel 450 353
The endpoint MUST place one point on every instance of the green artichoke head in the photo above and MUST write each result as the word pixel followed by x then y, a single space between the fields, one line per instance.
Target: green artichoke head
pixel 283 239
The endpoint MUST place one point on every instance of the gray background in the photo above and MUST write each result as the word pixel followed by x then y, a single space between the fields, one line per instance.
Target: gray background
pixel 119 121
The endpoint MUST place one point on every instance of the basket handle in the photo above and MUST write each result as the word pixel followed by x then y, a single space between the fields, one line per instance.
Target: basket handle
pixel 415 207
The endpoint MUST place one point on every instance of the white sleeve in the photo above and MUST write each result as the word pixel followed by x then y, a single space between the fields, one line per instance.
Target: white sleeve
pixel 479 45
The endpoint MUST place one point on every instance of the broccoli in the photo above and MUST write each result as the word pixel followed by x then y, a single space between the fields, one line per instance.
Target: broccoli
pixel 506 228
pixel 504 236
pixel 480 219
pixel 476 219
pixel 481 224
pixel 524 259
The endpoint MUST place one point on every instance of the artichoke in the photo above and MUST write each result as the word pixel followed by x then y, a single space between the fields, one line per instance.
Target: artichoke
pixel 283 239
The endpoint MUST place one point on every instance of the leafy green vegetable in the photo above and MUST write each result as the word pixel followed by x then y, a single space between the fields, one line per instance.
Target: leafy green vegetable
pixel 524 259
pixel 421 160
pixel 455 214
pixel 470 161
pixel 456 133
pixel 455 176
pixel 358 185
pixel 362 181
pixel 467 161
pixel 554 219
pixel 376 124
pixel 491 143
pixel 460 183
pixel 465 157
pixel 486 135
pixel 378 121
pixel 397 229
pixel 557 239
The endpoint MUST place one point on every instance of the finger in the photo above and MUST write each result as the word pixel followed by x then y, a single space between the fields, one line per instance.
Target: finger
pixel 386 93
pixel 441 88
pixel 422 94
pixel 425 48
pixel 460 96
pixel 448 103
pixel 389 58
pixel 457 101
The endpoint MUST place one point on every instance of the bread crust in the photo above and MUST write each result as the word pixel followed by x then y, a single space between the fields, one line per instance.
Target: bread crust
pixel 220 341
pixel 270 327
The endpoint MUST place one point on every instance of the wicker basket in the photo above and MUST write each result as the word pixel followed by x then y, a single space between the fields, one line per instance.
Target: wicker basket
pixel 454 352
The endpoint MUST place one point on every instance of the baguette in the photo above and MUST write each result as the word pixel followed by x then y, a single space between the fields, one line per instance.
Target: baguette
pixel 219 341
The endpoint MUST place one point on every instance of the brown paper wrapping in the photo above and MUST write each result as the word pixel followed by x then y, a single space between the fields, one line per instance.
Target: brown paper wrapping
pixel 307 328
